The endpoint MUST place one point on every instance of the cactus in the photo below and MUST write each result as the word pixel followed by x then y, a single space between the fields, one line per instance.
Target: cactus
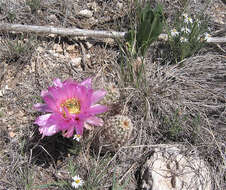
pixel 116 133
pixel 113 94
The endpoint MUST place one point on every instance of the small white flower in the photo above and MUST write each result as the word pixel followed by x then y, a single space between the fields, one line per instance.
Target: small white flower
pixel 185 15
pixel 188 20
pixel 77 137
pixel 185 29
pixel 206 36
pixel 182 39
pixel 77 182
pixel 174 32
pixel 125 123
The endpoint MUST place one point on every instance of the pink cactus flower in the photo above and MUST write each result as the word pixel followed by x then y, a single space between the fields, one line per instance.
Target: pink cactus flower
pixel 70 105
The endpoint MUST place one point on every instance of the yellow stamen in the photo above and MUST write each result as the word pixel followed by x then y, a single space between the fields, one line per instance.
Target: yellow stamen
pixel 72 105
pixel 77 181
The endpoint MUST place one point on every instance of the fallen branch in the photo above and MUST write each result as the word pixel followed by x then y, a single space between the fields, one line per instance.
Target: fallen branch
pixel 81 32
pixel 61 31
pixel 209 39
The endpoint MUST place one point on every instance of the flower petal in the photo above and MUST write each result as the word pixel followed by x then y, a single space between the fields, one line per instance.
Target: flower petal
pixel 97 109
pixel 62 123
pixel 42 120
pixel 42 107
pixel 57 82
pixel 50 101
pixel 69 81
pixel 97 96
pixel 87 83
pixel 44 93
pixel 95 121
pixel 79 128
pixel 83 94
pixel 48 131
pixel 47 124
pixel 69 132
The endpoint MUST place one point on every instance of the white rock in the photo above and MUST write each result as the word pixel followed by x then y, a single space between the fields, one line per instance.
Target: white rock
pixel 3 90
pixel 58 48
pixel 53 18
pixel 52 35
pixel 70 48
pixel 109 41
pixel 88 56
pixel 169 169
pixel 120 5
pixel 86 13
pixel 39 12
pixel 89 45
pixel 92 6
pixel 76 62
pixel 40 49
pixel 53 53
pixel 50 52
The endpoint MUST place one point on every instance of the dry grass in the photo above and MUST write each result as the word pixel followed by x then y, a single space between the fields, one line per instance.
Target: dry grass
pixel 184 104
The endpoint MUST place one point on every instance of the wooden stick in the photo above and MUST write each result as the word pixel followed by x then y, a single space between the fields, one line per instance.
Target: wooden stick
pixel 216 40
pixel 81 32
pixel 61 31
pixel 209 39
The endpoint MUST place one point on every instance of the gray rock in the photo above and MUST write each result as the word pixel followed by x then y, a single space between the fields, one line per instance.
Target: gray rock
pixel 169 169
pixel 76 62
pixel 86 13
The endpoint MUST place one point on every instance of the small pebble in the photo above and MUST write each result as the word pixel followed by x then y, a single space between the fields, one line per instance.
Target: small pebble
pixel 76 61
pixel 86 13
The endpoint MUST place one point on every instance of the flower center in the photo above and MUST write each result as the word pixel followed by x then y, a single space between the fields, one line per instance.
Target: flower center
pixel 72 105
pixel 78 136
pixel 77 181
pixel 125 124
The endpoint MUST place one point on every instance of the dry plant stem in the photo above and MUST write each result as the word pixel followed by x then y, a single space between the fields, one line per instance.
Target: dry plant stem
pixel 134 165
pixel 164 37
pixel 82 32
pixel 218 146
pixel 84 59
pixel 152 146
pixel 61 31
pixel 216 40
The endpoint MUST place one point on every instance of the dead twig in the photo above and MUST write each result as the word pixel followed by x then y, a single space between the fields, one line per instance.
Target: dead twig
pixel 82 32
pixel 61 31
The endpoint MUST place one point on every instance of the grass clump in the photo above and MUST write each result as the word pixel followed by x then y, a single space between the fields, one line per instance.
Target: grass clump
pixel 18 50
pixel 34 5
pixel 116 185
pixel 93 175
pixel 148 25
pixel 147 29
pixel 187 36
